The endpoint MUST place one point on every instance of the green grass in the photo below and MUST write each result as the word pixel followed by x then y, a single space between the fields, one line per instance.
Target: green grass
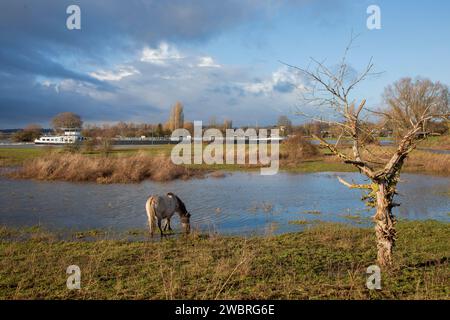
pixel 16 156
pixel 321 163
pixel 356 218
pixel 319 166
pixel 326 261
pixel 123 152
pixel 309 166
pixel 302 222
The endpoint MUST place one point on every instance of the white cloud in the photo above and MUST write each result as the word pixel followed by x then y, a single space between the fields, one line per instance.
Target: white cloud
pixel 116 75
pixel 49 84
pixel 229 91
pixel 288 75
pixel 161 55
pixel 283 80
pixel 258 87
pixel 207 62
pixel 84 89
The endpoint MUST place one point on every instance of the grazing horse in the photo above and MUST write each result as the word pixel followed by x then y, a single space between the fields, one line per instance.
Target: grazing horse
pixel 163 207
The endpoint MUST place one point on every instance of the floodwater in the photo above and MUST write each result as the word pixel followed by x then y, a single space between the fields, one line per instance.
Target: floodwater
pixel 333 141
pixel 437 151
pixel 240 203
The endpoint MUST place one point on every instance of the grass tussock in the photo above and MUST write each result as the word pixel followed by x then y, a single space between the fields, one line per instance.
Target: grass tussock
pixel 327 261
pixel 77 167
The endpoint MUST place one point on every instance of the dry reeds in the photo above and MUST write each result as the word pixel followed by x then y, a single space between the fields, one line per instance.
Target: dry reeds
pixel 82 168
pixel 428 162
pixel 418 161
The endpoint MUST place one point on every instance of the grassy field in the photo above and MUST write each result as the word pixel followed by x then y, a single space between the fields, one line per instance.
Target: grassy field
pixel 16 156
pixel 438 143
pixel 20 156
pixel 326 261
pixel 135 164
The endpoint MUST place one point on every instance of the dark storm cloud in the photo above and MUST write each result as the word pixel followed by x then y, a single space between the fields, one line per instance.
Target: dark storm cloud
pixel 34 34
pixel 35 63
pixel 40 103
pixel 117 24
pixel 36 43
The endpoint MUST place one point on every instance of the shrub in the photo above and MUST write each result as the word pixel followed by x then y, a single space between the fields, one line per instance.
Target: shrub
pixel 296 149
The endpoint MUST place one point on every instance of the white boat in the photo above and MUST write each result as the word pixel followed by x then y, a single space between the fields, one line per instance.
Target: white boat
pixel 70 136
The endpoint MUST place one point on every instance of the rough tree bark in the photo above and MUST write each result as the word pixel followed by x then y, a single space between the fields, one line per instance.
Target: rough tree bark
pixel 384 224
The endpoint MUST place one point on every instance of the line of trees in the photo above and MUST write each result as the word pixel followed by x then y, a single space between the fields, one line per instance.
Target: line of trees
pixel 28 134
pixel 315 127
pixel 381 128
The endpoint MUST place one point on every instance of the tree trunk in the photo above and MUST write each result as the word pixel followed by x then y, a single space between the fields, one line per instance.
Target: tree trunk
pixel 384 225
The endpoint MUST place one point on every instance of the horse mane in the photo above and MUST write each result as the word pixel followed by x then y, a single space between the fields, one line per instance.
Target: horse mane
pixel 181 204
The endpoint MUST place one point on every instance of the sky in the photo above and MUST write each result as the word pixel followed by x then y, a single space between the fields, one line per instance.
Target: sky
pixel 132 60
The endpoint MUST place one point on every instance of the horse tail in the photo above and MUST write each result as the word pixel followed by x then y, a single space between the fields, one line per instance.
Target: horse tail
pixel 151 214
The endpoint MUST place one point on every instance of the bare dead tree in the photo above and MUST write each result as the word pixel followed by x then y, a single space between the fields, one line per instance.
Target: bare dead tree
pixel 332 88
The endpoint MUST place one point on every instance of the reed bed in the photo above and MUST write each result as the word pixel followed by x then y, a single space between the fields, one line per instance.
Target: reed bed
pixel 130 166
pixel 82 168
pixel 427 162
pixel 437 143
pixel 418 161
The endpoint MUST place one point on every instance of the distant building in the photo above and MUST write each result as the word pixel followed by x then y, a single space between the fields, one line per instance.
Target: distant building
pixel 71 136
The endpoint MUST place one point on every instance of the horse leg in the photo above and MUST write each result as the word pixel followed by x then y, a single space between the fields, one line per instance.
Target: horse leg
pixel 167 224
pixel 159 226
pixel 150 226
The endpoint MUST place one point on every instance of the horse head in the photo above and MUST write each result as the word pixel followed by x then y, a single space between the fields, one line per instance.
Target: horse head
pixel 182 211
pixel 185 222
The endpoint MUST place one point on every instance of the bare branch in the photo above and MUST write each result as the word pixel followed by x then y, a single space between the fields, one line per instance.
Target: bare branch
pixel 361 165
pixel 354 186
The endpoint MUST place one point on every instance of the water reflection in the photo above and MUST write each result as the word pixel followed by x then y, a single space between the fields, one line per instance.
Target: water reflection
pixel 239 203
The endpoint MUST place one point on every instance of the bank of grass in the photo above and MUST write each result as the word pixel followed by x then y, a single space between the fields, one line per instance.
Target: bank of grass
pixel 326 261
pixel 136 164
pixel 429 163
pixel 437 142
pixel 418 161
pixel 76 167
pixel 10 157
pixel 18 156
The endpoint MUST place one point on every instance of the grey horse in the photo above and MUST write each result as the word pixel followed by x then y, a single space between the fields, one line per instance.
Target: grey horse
pixel 163 207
